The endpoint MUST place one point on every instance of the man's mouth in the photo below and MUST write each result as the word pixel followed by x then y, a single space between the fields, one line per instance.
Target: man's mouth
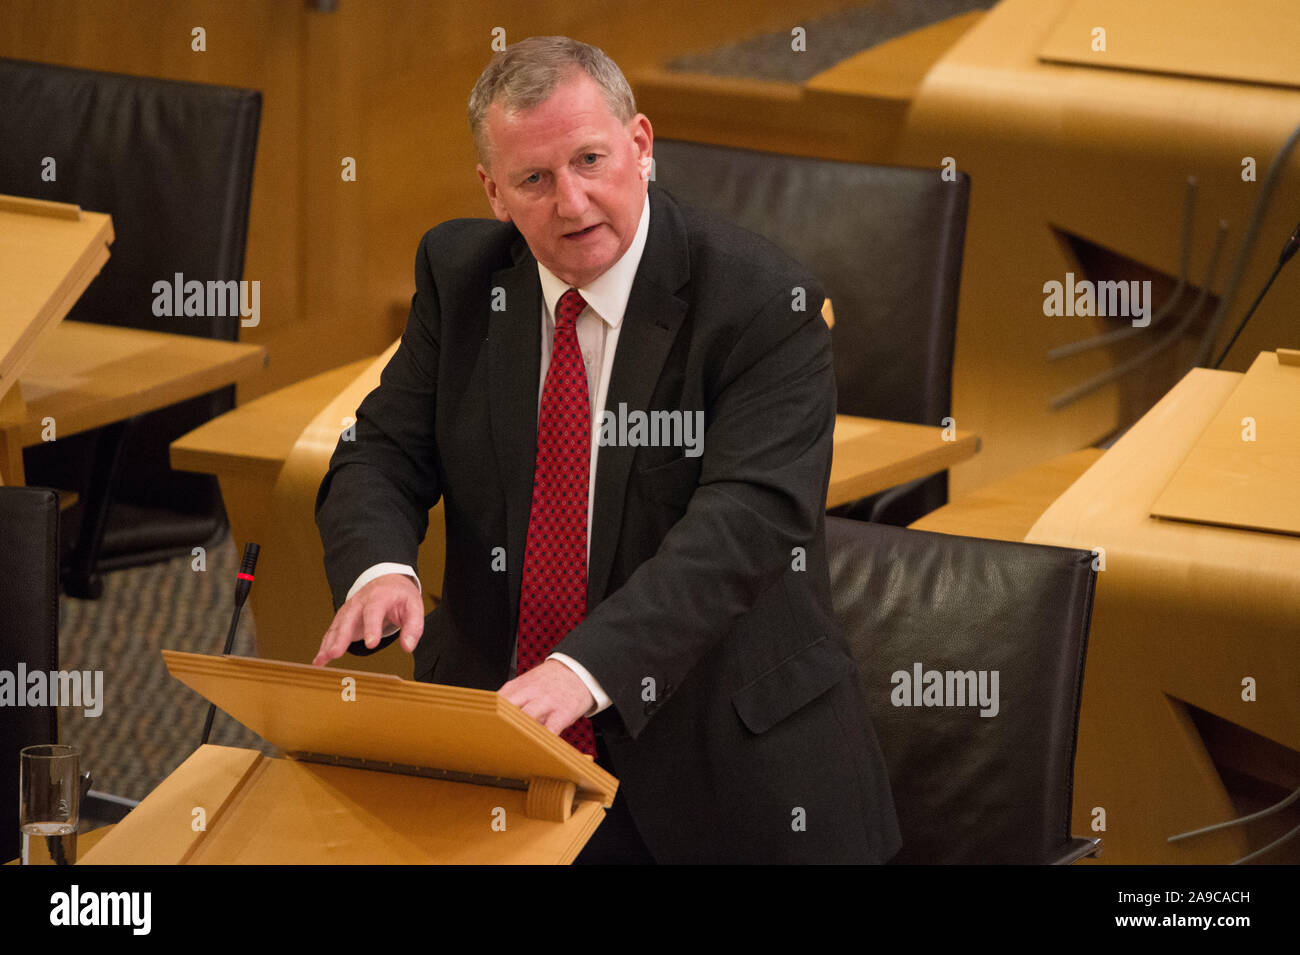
pixel 581 232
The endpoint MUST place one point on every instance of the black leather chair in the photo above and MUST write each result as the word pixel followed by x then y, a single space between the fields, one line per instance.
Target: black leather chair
pixel 29 633
pixel 970 788
pixel 172 163
pixel 886 242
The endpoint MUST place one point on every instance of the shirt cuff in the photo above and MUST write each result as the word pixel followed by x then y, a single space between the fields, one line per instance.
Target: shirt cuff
pixel 379 570
pixel 602 700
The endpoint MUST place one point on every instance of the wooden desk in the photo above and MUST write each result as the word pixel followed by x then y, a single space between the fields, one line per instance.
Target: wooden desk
pixel 872 455
pixel 85 376
pixel 1191 698
pixel 49 253
pixel 1080 160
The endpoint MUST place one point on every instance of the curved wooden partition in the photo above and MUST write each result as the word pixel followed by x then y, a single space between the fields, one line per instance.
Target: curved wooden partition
pixel 291 566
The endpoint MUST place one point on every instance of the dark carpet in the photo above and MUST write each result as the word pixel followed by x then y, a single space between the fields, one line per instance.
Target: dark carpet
pixel 829 40
pixel 150 722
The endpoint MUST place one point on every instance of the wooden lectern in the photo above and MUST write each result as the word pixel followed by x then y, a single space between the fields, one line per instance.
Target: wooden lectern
pixel 377 770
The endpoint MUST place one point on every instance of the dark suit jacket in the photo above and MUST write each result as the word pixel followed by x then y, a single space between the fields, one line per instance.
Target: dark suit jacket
pixel 736 730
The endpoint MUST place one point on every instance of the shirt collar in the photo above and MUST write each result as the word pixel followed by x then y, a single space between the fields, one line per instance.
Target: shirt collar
pixel 608 293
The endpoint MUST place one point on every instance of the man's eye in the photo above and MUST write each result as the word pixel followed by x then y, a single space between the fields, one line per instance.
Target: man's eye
pixel 533 179
pixel 590 158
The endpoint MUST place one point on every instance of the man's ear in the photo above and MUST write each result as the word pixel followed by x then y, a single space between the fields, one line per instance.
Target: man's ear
pixel 493 194
pixel 643 138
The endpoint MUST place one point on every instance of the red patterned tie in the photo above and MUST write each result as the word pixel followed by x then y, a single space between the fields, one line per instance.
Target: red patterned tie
pixel 553 599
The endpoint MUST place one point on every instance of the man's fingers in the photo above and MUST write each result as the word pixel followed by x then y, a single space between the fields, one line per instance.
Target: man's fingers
pixel 365 616
pixel 337 637
pixel 372 621
pixel 412 621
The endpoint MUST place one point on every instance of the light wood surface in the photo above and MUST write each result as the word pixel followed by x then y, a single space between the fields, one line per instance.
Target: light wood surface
pixel 84 376
pixel 88 840
pixel 326 815
pixel 164 831
pixel 254 439
pixel 496 786
pixel 1008 508
pixel 1244 470
pixel 377 716
pixel 892 70
pixel 263 811
pixel 872 455
pixel 1184 613
pixel 1250 40
pixel 49 253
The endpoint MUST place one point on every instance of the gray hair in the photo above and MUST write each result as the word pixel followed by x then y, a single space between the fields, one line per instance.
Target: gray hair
pixel 525 74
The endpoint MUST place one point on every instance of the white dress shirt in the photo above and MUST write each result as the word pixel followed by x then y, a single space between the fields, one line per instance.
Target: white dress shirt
pixel 597 326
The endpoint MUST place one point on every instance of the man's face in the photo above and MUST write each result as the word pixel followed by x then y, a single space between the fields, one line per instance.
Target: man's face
pixel 571 178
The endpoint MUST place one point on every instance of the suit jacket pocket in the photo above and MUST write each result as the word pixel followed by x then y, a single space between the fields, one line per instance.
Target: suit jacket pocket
pixel 790 686
pixel 672 483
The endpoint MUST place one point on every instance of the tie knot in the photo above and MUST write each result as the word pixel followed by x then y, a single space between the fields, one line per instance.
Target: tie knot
pixel 570 307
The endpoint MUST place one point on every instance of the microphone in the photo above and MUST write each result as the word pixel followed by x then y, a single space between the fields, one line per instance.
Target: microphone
pixel 243 584
pixel 1288 250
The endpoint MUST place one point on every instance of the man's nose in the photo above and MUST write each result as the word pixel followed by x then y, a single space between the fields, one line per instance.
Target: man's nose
pixel 570 196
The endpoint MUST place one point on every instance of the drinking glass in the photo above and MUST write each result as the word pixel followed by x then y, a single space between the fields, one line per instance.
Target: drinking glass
pixel 49 804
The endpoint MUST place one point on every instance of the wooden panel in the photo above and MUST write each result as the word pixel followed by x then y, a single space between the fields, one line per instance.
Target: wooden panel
pixel 301 708
pixel 1229 480
pixel 1251 40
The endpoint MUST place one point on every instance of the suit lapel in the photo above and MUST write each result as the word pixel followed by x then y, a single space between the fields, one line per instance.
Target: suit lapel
pixel 654 313
pixel 515 347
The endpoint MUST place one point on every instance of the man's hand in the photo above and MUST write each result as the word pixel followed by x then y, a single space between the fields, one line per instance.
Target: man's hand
pixel 392 600
pixel 550 693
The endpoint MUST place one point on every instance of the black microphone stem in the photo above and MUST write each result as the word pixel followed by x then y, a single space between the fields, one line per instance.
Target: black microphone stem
pixel 243 584
pixel 1288 250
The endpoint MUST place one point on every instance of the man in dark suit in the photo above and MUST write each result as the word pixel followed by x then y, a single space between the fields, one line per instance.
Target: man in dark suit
pixel 627 408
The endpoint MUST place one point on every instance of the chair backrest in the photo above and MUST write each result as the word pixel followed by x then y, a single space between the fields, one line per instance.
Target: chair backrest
pixel 968 787
pixel 29 632
pixel 172 163
pixel 885 242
